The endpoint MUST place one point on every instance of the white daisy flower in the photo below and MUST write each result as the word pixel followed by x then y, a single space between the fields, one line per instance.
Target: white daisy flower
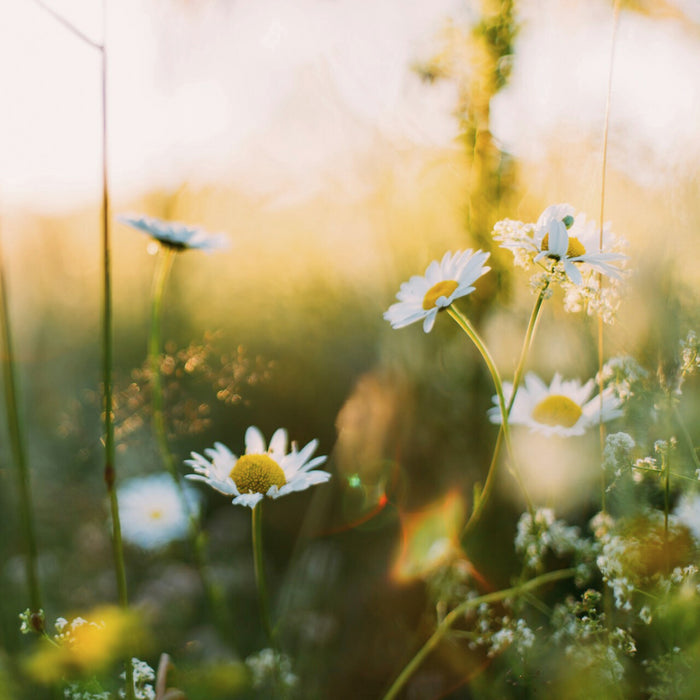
pixel 563 408
pixel 564 237
pixel 271 472
pixel 443 282
pixel 151 510
pixel 175 234
pixel 569 239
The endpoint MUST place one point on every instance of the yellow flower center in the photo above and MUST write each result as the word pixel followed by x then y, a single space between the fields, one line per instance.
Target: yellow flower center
pixel 557 410
pixel 156 514
pixel 574 249
pixel 257 473
pixel 441 289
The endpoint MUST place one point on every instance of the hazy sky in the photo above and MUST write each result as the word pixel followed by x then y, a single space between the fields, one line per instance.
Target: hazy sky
pixel 284 95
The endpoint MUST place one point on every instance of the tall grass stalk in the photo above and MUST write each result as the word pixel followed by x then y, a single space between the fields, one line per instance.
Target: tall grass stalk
pixel 107 324
pixel 604 168
pixel 459 612
pixel 15 425
pixel 107 361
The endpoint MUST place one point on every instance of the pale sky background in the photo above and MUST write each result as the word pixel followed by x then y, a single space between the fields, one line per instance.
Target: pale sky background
pixel 287 96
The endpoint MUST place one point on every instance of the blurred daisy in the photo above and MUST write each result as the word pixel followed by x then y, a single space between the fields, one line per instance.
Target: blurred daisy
pixel 261 471
pixel 152 512
pixel 176 235
pixel 443 282
pixel 688 513
pixel 563 408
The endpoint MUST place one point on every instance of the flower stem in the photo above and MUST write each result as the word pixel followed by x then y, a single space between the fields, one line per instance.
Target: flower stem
pixel 107 361
pixel 467 327
pixel 459 612
pixel 260 569
pixel 214 596
pixel 517 378
pixel 166 257
pixel 17 443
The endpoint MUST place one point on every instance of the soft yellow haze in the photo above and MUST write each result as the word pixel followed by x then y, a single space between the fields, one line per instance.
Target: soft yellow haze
pixel 301 130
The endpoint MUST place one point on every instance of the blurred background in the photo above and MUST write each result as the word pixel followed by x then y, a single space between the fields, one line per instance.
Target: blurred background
pixel 342 145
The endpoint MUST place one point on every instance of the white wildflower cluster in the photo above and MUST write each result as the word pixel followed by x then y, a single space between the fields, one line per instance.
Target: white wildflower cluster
pixel 601 524
pixel 670 674
pixel 645 614
pixel 593 298
pixel 496 632
pixel 450 583
pixel 662 448
pixel 624 375
pixel 516 237
pixel 683 574
pixel 78 691
pixel 616 456
pixel 643 552
pixel 541 282
pixel 581 630
pixel 690 357
pixel 647 464
pixel 536 537
pixel 665 447
pixel 570 251
pixel 513 633
pixel 65 630
pixel 30 622
pixel 611 563
pixel 144 677
pixel 268 667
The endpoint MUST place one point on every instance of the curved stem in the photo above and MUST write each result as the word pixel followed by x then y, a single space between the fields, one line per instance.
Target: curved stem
pixel 18 445
pixel 517 378
pixel 467 327
pixel 260 570
pixel 459 611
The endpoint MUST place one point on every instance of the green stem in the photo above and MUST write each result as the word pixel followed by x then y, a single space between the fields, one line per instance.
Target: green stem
pixel 107 336
pixel 260 569
pixel 17 443
pixel 213 593
pixel 107 362
pixel 459 612
pixel 467 327
pixel 666 467
pixel 517 378
pixel 166 257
